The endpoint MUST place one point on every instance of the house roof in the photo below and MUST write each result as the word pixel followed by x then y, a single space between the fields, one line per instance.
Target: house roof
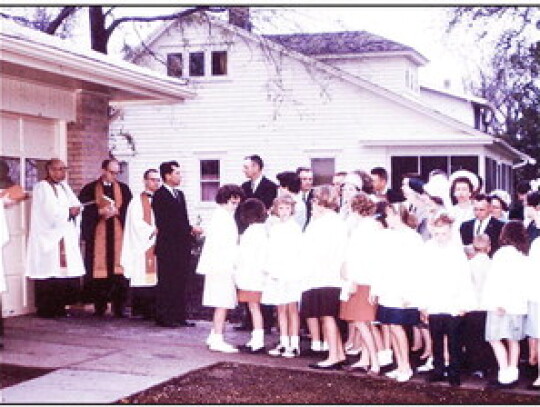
pixel 32 55
pixel 338 43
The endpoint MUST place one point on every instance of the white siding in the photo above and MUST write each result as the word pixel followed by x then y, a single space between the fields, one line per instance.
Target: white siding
pixel 459 109
pixel 268 104
pixel 396 73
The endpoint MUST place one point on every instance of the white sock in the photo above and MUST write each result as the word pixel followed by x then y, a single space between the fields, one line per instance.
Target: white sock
pixel 295 342
pixel 257 338
pixel 316 345
pixel 324 346
pixel 284 341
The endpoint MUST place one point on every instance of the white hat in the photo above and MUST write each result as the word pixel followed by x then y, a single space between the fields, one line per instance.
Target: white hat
pixel 354 179
pixel 466 174
pixel 502 195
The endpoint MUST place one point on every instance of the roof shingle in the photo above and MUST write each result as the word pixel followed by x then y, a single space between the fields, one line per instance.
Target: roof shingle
pixel 347 42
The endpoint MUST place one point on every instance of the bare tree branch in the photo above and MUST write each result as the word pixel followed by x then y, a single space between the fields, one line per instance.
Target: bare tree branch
pixel 60 18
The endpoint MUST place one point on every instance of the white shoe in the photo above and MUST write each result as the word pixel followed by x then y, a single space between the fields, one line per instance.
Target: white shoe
pixel 353 352
pixel 291 353
pixel 222 346
pixel 277 351
pixel 393 374
pixel 426 367
pixel 385 357
pixel 325 347
pixel 404 377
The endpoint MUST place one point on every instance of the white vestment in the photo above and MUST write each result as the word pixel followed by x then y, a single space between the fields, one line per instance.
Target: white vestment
pixel 49 224
pixel 139 236
pixel 4 238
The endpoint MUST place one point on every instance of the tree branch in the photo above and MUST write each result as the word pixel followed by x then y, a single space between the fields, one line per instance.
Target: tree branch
pixel 60 18
pixel 174 16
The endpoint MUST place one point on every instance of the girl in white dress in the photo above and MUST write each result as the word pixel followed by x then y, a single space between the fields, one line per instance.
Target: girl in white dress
pixel 322 251
pixel 505 298
pixel 282 287
pixel 395 282
pixel 249 274
pixel 217 264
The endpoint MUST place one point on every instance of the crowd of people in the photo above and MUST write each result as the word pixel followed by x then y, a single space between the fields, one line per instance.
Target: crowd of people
pixel 438 267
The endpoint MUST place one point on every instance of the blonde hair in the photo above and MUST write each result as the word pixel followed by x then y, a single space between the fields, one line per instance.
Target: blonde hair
pixel 284 199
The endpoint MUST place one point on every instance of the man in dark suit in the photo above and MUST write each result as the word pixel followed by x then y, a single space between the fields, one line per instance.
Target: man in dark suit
pixel 173 248
pixel 482 223
pixel 306 190
pixel 260 187
pixel 533 213
pixel 379 176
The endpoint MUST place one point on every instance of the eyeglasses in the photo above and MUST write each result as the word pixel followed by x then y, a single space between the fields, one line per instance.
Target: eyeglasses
pixel 113 172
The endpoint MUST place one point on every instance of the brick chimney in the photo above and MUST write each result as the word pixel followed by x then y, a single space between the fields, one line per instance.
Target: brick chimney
pixel 239 16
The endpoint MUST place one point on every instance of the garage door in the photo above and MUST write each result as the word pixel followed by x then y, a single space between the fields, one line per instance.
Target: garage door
pixel 25 144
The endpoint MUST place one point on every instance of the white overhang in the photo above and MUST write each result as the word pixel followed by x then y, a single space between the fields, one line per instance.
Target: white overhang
pixel 38 57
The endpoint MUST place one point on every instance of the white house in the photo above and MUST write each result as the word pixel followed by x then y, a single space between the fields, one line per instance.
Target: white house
pixel 332 101
pixel 55 103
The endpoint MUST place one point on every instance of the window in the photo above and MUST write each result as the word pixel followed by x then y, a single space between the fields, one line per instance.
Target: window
pixel 423 165
pixel 323 170
pixel 219 63
pixel 400 166
pixel 174 65
pixel 10 171
pixel 491 175
pixel 196 64
pixel 209 180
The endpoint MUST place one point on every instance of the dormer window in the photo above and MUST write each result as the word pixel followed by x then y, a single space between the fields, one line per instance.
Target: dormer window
pixel 196 64
pixel 219 63
pixel 174 65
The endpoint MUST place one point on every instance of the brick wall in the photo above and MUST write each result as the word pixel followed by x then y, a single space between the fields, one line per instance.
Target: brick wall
pixel 87 138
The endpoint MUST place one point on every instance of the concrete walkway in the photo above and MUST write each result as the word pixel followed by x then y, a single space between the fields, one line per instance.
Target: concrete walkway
pixel 102 360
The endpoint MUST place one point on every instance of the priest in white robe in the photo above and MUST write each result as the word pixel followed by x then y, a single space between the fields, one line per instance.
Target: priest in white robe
pixel 137 257
pixel 54 259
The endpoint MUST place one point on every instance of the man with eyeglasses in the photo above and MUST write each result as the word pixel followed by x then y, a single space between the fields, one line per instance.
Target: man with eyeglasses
pixel 105 203
pixel 54 260
pixel 138 258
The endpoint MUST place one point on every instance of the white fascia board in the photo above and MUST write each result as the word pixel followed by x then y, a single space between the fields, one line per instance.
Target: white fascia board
pixel 123 76
pixel 423 142
pixel 414 55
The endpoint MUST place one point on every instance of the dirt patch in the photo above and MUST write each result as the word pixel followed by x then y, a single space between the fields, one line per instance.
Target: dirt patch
pixel 14 374
pixel 234 383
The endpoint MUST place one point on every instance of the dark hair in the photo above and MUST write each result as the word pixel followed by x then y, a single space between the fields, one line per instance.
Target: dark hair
pixel 252 210
pixel 49 163
pixel 300 169
pixel 367 181
pixel 405 215
pixel 167 167
pixel 148 171
pixel 380 172
pixel 256 159
pixel 463 180
pixel 523 187
pixel 533 198
pixel 482 197
pixel 504 206
pixel 514 234
pixel 229 191
pixel 289 180
pixel 105 163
